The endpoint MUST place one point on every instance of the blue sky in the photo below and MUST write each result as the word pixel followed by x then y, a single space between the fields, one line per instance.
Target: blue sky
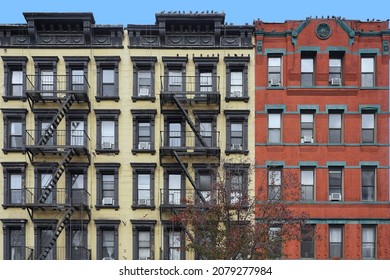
pixel 237 11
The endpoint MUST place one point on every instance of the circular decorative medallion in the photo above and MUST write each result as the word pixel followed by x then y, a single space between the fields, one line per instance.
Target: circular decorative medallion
pixel 323 31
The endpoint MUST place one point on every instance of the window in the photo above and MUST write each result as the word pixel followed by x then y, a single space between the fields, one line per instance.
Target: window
pixel 275 242
pixel 307 242
pixel 76 183
pixel 46 75
pixel 368 127
pixel 143 239
pixel 237 78
pixel 206 124
pixel 174 185
pixel 368 71
pixel 14 183
pixel 307 184
pixel 143 131
pixel 107 131
pixel 236 131
pixel 237 182
pixel 107 239
pixel 335 184
pixel 77 240
pixel 174 242
pixel 143 78
pixel 307 128
pixel 77 127
pixel 44 232
pixel 335 70
pixel 174 126
pixel 274 128
pixel 335 127
pixel 274 184
pixel 274 71
pixel 175 74
pixel 14 246
pixel 43 136
pixel 107 69
pixel 206 75
pixel 107 185
pixel 368 184
pixel 368 242
pixel 335 242
pixel 44 181
pixel 307 70
pixel 77 72
pixel 14 130
pixel 206 82
pixel 175 134
pixel 143 185
pixel 14 77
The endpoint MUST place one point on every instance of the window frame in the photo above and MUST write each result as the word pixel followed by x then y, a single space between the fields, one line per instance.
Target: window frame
pixel 46 168
pixel 11 64
pixel 204 170
pixel 372 129
pixel 272 185
pixel 107 169
pixel 107 63
pixel 334 170
pixel 335 129
pixel 303 128
pixel 373 185
pixel 10 168
pixel 107 115
pixel 10 116
pixel 143 116
pixel 313 186
pixel 143 226
pixel 237 169
pixel 341 243
pixel 143 168
pixel 107 225
pixel 273 129
pixel 82 226
pixel 173 116
pixel 278 72
pixel 169 227
pixel 175 63
pixel 43 116
pixel 237 64
pixel 373 243
pixel 76 63
pixel 333 71
pixel 79 169
pixel 237 116
pixel 308 239
pixel 39 226
pixel 308 55
pixel 173 169
pixel 8 226
pixel 46 63
pixel 206 65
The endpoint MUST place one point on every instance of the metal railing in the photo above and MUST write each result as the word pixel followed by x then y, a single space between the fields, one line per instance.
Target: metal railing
pixel 182 197
pixel 63 253
pixel 188 139
pixel 62 138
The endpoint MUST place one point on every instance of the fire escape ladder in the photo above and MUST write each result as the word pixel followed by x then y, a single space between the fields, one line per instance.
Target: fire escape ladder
pixel 66 104
pixel 60 226
pixel 189 121
pixel 56 175
pixel 189 177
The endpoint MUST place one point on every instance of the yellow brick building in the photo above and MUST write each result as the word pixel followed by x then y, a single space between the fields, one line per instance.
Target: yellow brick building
pixel 106 129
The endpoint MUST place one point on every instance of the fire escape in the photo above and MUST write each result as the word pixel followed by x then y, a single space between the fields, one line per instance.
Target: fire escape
pixel 183 98
pixel 56 94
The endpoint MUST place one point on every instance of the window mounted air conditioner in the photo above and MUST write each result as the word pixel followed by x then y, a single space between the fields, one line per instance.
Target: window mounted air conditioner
pixel 307 139
pixel 237 147
pixel 143 201
pixel 274 82
pixel 143 91
pixel 107 259
pixel 144 145
pixel 236 94
pixel 335 197
pixel 106 145
pixel 335 82
pixel 108 201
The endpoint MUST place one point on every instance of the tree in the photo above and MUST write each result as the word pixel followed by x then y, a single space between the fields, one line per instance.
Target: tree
pixel 230 224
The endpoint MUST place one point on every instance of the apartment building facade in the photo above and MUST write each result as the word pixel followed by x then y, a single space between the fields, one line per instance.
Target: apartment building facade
pixel 322 118
pixel 107 130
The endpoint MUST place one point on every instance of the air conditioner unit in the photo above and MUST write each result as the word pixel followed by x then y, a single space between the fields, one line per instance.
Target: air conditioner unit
pixel 108 201
pixel 274 82
pixel 106 145
pixel 143 201
pixel 335 82
pixel 236 147
pixel 107 259
pixel 307 139
pixel 335 197
pixel 143 91
pixel 144 145
pixel 236 94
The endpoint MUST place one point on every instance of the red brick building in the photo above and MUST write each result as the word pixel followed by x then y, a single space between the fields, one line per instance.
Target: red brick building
pixel 322 113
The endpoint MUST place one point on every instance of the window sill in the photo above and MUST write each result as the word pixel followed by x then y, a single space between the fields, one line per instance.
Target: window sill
pixel 18 98
pixel 13 150
pixel 140 98
pixel 135 207
pixel 244 152
pixel 274 87
pixel 144 151
pixel 115 207
pixel 244 98
pixel 107 151
pixel 14 205
pixel 107 98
